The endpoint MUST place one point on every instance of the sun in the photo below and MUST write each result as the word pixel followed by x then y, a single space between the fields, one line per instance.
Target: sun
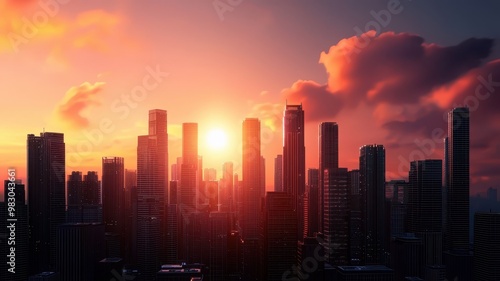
pixel 216 139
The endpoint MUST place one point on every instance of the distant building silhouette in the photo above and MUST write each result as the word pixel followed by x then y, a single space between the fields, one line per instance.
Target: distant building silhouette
pixel 328 158
pixel 152 196
pixel 312 191
pixel 84 196
pixel 279 235
pixel 251 194
pixel 113 199
pixel 294 160
pixel 372 194
pixel 486 246
pixel 46 197
pixel 458 179
pixel 278 173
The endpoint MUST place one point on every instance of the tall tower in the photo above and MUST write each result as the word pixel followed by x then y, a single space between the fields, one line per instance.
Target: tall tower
pixel 458 179
pixel 294 158
pixel 113 177
pixel 46 197
pixel 251 178
pixel 152 179
pixel 424 207
pixel 486 246
pixel 278 173
pixel 251 192
pixel 372 193
pixel 328 146
pixel 189 167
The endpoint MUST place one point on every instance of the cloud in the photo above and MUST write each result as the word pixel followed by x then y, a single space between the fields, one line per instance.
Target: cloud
pixel 76 101
pixel 407 86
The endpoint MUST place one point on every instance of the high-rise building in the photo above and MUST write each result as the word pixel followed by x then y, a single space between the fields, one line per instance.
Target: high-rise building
pixel 189 167
pixel 46 197
pixel 152 194
pixel 226 192
pixel 486 246
pixel 424 208
pixel 219 231
pixel 294 164
pixel 113 176
pixel 336 216
pixel 251 160
pixel 279 240
pixel 372 194
pixel 458 179
pixel 328 147
pixel 262 177
pixel 278 173
pixel 14 233
pixel 84 196
pixel 312 191
pixel 210 174
pixel 80 248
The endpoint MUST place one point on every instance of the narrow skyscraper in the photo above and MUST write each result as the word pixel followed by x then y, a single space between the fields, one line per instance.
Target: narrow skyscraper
pixel 294 160
pixel 458 179
pixel 372 194
pixel 46 197
pixel 152 179
pixel 328 147
pixel 278 173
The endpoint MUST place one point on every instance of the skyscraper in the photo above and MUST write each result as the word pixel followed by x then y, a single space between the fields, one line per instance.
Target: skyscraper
pixel 227 188
pixel 279 240
pixel 46 197
pixel 458 179
pixel 313 197
pixel 113 195
pixel 486 246
pixel 328 146
pixel 336 216
pixel 152 179
pixel 294 170
pixel 189 167
pixel 84 198
pixel 278 173
pixel 251 194
pixel 372 193
pixel 424 208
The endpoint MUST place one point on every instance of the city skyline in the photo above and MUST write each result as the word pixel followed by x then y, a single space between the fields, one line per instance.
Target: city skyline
pixel 399 114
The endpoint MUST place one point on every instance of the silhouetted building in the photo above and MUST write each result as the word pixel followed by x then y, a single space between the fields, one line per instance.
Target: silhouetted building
pixel 172 234
pixel 251 194
pixel 218 260
pixel 109 268
pixel 278 173
pixel 14 233
pixel 372 194
pixel 407 256
pixel 486 246
pixel 80 248
pixel 458 179
pixel 312 191
pixel 310 260
pixel 189 168
pixel 336 216
pixel 226 188
pixel 84 198
pixel 113 197
pixel 152 194
pixel 279 235
pixel 294 163
pixel 209 174
pixel 397 191
pixel 328 158
pixel 234 256
pixel 46 197
pixel 424 208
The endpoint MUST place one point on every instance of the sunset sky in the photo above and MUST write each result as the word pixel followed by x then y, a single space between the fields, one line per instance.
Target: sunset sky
pixel 78 67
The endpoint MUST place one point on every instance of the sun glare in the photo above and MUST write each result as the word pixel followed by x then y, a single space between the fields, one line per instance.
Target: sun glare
pixel 216 139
